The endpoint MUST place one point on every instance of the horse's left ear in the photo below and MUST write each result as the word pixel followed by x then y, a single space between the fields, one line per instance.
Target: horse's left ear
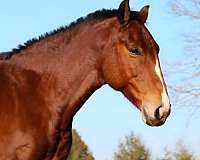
pixel 124 12
pixel 144 14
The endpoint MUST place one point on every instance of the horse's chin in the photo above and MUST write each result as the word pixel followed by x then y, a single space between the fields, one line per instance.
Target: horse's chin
pixel 154 123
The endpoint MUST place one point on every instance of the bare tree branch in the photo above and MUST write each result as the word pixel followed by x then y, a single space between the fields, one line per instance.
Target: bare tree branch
pixel 179 8
pixel 186 88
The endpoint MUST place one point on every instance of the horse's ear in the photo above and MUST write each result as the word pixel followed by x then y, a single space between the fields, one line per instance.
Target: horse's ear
pixel 124 12
pixel 144 14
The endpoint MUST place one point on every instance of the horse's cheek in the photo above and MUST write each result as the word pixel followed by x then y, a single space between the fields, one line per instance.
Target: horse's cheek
pixel 111 74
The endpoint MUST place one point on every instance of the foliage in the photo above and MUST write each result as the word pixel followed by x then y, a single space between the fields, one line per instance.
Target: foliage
pixel 183 153
pixel 180 153
pixel 79 149
pixel 132 149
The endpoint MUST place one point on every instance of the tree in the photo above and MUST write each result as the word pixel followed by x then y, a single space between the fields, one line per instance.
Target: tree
pixel 180 153
pixel 132 149
pixel 188 88
pixel 184 154
pixel 79 149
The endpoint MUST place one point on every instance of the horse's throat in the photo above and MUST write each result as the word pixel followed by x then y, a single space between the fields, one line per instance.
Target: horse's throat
pixel 86 88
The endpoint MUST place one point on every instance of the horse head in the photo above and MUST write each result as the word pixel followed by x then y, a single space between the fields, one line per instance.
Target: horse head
pixel 132 65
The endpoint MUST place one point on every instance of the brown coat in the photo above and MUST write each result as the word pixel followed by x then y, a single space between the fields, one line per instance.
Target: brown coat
pixel 45 82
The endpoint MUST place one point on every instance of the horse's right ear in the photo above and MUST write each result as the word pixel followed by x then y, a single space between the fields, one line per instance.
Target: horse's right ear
pixel 124 12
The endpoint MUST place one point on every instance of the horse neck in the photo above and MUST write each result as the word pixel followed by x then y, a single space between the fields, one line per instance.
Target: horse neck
pixel 72 64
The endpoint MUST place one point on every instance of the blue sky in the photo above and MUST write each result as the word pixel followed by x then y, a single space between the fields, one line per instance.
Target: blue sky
pixel 107 116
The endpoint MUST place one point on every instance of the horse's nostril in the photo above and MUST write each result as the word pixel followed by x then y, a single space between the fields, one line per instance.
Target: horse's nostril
pixel 157 113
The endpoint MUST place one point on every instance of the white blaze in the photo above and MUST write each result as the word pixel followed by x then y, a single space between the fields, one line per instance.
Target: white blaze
pixel 165 98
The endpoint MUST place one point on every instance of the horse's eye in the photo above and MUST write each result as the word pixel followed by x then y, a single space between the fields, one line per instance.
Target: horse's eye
pixel 135 52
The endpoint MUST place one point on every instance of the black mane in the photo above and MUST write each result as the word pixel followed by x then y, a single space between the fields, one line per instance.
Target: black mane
pixel 95 16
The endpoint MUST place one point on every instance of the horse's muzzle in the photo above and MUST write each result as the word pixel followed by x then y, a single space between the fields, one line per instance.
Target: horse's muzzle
pixel 158 117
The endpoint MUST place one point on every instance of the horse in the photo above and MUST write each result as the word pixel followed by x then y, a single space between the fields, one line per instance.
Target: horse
pixel 45 81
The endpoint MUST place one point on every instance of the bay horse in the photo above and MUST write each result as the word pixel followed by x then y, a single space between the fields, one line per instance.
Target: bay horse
pixel 44 82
